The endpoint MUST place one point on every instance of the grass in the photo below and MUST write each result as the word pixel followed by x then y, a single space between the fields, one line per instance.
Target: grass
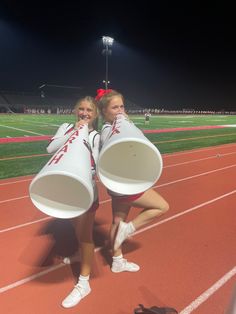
pixel 30 125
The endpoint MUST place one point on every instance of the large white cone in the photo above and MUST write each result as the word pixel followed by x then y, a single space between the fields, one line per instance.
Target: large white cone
pixel 128 163
pixel 63 188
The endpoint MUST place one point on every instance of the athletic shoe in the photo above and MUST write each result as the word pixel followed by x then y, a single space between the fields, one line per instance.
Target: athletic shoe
pixel 76 295
pixel 71 259
pixel 122 234
pixel 124 265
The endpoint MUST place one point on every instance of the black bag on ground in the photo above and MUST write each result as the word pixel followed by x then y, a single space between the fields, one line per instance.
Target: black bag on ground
pixel 154 310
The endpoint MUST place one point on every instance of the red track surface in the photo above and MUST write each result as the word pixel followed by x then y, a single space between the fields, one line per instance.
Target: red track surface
pixel 187 257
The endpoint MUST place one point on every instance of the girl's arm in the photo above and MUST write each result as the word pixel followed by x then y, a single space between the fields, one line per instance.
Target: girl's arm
pixel 61 136
pixel 95 147
pixel 104 133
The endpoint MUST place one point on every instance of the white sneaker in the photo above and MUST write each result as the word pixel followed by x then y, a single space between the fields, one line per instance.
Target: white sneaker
pixel 76 295
pixel 71 259
pixel 122 234
pixel 124 265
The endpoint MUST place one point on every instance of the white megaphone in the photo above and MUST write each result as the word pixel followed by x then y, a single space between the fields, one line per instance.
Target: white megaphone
pixel 63 188
pixel 128 163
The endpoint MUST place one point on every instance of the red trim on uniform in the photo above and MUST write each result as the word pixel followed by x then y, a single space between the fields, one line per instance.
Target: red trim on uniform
pixel 125 198
pixel 70 129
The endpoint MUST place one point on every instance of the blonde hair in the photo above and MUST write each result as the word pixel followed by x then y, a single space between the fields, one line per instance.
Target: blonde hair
pixel 105 100
pixel 92 101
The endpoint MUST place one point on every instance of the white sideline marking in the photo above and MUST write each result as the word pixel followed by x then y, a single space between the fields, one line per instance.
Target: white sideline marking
pixel 13 182
pixel 209 292
pixel 230 125
pixel 197 160
pixel 165 155
pixel 25 224
pixel 196 150
pixel 185 212
pixel 108 200
pixel 195 176
pixel 13 199
pixel 27 279
pixel 11 127
pixel 36 221
pixel 30 278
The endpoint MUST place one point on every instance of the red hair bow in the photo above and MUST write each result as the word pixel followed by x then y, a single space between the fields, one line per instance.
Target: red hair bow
pixel 101 92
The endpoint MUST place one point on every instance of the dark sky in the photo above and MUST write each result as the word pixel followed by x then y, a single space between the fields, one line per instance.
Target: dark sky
pixel 179 53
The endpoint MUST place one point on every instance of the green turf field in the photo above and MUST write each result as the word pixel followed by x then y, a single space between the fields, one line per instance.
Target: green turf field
pixel 17 159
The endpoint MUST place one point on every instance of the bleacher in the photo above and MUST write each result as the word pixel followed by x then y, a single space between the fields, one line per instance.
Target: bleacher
pixel 28 102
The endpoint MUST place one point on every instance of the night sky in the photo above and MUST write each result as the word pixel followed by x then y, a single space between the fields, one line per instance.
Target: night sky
pixel 177 54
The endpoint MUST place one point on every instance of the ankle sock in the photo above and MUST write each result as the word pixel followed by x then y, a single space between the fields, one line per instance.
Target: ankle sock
pixel 117 259
pixel 130 227
pixel 84 281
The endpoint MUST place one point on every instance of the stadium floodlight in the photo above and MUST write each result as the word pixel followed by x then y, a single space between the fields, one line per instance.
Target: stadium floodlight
pixel 107 42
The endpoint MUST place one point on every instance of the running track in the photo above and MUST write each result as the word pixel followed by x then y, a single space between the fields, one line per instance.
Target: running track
pixel 187 257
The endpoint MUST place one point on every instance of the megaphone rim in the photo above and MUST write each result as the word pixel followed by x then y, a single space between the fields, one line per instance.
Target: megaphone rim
pixel 62 173
pixel 130 139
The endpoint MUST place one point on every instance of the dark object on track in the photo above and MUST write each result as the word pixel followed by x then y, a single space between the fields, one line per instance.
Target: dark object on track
pixel 154 310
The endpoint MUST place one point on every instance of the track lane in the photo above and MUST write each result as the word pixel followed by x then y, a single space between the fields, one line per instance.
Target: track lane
pixel 182 263
pixel 141 293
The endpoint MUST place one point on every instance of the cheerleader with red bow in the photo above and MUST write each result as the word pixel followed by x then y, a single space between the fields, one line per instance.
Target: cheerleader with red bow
pixel 111 103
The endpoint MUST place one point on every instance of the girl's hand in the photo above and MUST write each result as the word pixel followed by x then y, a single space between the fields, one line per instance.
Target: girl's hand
pixel 79 123
pixel 124 114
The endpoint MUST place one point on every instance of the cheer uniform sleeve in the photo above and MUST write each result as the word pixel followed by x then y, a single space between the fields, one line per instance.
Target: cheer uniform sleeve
pixel 61 136
pixel 104 133
pixel 95 147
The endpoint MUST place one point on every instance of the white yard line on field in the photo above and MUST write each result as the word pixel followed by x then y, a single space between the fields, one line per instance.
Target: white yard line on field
pixel 11 127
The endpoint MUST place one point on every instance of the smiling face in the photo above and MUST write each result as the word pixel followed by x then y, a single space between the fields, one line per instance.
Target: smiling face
pixel 87 111
pixel 114 107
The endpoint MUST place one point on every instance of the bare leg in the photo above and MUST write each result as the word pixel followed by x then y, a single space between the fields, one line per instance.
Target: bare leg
pixel 120 213
pixel 154 205
pixel 84 231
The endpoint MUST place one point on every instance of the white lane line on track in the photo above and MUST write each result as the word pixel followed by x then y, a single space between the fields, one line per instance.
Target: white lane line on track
pixel 185 212
pixel 154 187
pixel 108 200
pixel 197 160
pixel 199 150
pixel 164 155
pixel 174 165
pixel 52 268
pixel 36 221
pixel 14 199
pixel 195 176
pixel 209 292
pixel 30 278
pixel 19 181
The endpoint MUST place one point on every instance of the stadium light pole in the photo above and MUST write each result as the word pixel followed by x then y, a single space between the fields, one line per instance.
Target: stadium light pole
pixel 107 43
pixel 43 86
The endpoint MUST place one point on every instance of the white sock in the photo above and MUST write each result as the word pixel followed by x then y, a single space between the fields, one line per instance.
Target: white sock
pixel 84 281
pixel 130 227
pixel 117 259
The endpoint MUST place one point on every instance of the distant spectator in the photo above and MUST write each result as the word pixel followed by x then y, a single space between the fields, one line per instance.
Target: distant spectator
pixel 147 116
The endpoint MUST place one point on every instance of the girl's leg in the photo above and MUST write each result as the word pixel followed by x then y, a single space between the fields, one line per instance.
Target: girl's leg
pixel 84 230
pixel 119 264
pixel 120 212
pixel 153 204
